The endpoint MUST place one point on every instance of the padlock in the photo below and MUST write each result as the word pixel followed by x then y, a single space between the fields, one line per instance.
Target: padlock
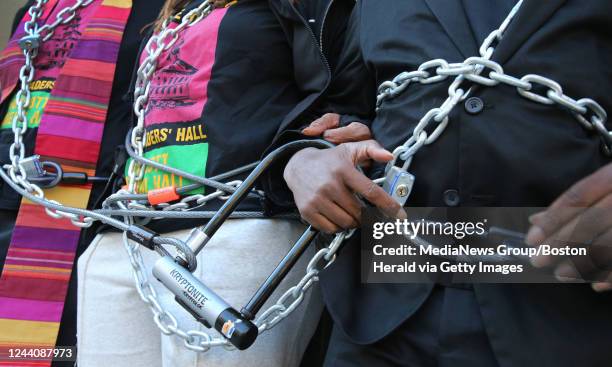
pixel 398 184
pixel 29 43
pixel 32 167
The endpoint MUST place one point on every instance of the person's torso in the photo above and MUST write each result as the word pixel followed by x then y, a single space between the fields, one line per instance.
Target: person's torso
pixel 219 94
pixel 514 151
pixel 49 63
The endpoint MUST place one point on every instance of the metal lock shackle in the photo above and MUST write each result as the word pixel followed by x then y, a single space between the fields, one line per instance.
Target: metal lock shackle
pixel 203 303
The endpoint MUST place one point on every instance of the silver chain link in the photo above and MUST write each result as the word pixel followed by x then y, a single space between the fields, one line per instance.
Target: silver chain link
pixel 587 111
pixel 484 71
pixel 157 44
pixel 289 301
pixel 30 44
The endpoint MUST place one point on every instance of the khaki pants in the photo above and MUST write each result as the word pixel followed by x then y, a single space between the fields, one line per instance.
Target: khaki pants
pixel 116 329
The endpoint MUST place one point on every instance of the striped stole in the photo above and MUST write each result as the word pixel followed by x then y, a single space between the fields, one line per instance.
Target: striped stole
pixel 35 278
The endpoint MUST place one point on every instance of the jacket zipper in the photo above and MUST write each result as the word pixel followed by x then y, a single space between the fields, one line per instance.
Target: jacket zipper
pixel 314 39
pixel 323 23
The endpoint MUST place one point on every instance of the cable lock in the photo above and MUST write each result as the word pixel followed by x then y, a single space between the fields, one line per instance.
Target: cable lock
pixel 142 235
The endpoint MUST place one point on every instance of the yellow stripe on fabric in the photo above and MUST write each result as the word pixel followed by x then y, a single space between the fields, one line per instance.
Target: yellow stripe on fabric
pixel 30 332
pixel 118 3
pixel 45 269
pixel 103 30
pixel 70 196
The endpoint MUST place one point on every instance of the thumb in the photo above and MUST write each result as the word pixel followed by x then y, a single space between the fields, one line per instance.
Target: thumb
pixel 323 123
pixel 361 152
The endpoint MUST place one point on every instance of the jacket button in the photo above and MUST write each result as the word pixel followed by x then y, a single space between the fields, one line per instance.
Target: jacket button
pixel 451 198
pixel 474 105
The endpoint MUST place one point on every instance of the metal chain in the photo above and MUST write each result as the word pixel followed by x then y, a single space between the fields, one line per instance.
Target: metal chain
pixel 17 172
pixel 65 16
pixel 200 341
pixel 194 339
pixel 168 324
pixel 189 202
pixel 30 44
pixel 471 69
pixel 157 44
pixel 293 297
pixel 482 70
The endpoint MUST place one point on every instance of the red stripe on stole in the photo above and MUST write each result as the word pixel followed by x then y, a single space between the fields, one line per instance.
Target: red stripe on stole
pixel 67 106
pixel 34 275
pixel 37 288
pixel 98 70
pixel 87 89
pixel 105 36
pixel 67 110
pixel 68 148
pixel 35 216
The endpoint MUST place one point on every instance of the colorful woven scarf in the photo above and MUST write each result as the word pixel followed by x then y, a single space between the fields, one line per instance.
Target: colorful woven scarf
pixel 35 278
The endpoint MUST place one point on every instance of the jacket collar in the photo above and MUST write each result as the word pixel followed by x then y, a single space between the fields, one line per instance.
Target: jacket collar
pixel 531 16
pixel 451 15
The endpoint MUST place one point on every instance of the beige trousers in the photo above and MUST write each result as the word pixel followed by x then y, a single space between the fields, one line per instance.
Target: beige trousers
pixel 116 329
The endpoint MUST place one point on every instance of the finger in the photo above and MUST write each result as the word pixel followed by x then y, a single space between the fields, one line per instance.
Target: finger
pixel 323 224
pixel 601 249
pixel 355 131
pixel 546 223
pixel 337 215
pixel 596 266
pixel 588 191
pixel 323 123
pixel 566 272
pixel 347 201
pixel 579 269
pixel 363 151
pixel 371 192
pixel 582 195
pixel 603 286
pixel 580 231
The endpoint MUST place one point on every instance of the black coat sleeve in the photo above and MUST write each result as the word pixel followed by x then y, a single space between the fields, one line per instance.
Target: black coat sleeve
pixel 351 93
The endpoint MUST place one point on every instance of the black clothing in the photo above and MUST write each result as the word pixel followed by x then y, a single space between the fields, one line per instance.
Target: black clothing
pixel 270 72
pixel 448 331
pixel 512 152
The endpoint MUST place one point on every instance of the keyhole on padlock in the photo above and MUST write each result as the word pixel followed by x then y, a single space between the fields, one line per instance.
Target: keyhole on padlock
pixel 402 191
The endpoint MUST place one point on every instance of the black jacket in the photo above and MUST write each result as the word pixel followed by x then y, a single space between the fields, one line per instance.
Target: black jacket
pixel 513 153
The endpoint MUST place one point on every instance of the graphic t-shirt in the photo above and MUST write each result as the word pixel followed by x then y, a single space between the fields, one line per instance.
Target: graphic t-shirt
pixel 51 58
pixel 219 94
